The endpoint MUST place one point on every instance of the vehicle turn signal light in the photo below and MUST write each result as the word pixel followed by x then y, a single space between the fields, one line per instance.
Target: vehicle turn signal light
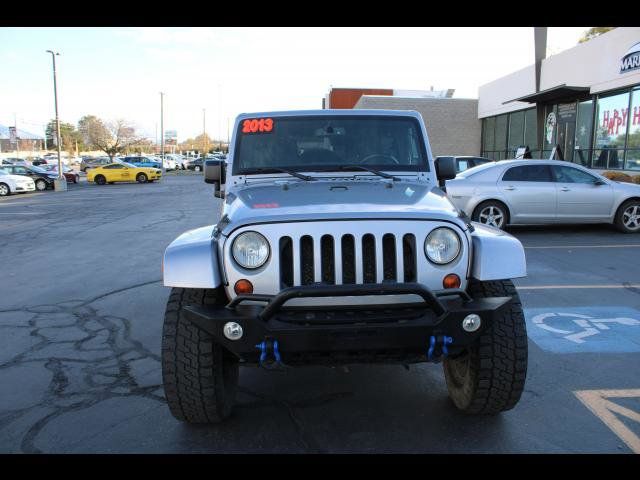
pixel 451 281
pixel 243 287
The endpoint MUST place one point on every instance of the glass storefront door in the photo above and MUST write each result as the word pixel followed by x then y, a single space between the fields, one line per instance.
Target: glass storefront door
pixel 567 129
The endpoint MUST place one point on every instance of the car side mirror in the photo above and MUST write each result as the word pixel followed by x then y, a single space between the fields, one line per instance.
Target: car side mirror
pixel 445 169
pixel 597 183
pixel 214 173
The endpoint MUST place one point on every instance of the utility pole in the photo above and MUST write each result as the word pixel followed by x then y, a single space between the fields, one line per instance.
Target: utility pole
pixel 162 126
pixel 59 184
pixel 204 130
pixel 15 125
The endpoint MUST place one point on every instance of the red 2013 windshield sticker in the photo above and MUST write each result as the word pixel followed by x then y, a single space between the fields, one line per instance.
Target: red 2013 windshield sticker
pixel 257 125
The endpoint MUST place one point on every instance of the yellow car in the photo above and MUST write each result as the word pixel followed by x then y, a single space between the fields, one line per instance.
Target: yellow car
pixel 123 172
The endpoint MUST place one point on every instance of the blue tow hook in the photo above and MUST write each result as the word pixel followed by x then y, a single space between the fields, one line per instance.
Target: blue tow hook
pixel 263 351
pixel 266 347
pixel 438 343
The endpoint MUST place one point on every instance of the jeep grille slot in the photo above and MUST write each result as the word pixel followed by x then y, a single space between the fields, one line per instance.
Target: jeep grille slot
pixel 328 259
pixel 369 258
pixel 286 262
pixel 306 260
pixel 409 257
pixel 348 260
pixel 389 256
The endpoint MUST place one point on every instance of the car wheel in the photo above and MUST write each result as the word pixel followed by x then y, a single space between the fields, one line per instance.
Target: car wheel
pixel 628 217
pixel 76 179
pixel 100 179
pixel 141 178
pixel 41 185
pixel 4 190
pixel 200 376
pixel 197 168
pixel 489 376
pixel 492 213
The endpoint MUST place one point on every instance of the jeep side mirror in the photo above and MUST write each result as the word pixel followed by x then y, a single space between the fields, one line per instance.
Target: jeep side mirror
pixel 445 169
pixel 214 173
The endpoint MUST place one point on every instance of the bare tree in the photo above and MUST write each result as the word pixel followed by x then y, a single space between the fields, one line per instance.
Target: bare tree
pixel 112 137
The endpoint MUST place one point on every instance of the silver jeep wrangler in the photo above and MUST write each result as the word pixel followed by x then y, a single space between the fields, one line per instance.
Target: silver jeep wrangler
pixel 336 245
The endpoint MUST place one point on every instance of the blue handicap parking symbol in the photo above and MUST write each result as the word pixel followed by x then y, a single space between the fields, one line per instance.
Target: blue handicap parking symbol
pixel 584 329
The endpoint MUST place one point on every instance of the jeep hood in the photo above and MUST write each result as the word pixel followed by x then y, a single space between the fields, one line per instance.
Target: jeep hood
pixel 343 199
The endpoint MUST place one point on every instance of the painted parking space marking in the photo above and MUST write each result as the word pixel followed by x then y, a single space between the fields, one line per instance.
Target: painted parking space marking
pixel 557 287
pixel 584 329
pixel 598 402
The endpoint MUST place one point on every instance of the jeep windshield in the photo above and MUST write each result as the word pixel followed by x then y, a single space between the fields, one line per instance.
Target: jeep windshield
pixel 329 143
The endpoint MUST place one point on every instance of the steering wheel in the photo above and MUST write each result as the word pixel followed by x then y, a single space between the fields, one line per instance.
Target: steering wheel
pixel 373 155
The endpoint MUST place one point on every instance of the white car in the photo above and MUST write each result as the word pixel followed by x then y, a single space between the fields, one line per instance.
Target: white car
pixel 14 184
pixel 543 192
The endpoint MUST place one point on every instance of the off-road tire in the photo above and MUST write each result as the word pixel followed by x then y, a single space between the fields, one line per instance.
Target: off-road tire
pixel 619 221
pixel 200 377
pixel 141 178
pixel 489 377
pixel 100 179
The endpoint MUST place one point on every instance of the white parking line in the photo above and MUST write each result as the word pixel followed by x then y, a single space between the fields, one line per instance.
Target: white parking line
pixel 555 287
pixel 630 245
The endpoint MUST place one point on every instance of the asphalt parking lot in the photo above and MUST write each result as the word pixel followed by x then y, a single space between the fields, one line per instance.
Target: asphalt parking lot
pixel 81 306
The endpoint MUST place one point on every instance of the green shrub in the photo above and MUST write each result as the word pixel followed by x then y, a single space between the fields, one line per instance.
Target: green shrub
pixel 636 179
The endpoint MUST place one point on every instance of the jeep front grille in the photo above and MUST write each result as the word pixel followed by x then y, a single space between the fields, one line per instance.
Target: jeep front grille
pixel 345 259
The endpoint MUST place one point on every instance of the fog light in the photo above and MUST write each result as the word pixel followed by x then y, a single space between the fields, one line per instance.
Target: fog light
pixel 243 287
pixel 471 323
pixel 232 330
pixel 451 281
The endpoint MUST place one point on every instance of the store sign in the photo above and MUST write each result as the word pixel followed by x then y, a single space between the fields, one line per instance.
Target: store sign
pixel 13 136
pixel 550 126
pixel 170 137
pixel 631 60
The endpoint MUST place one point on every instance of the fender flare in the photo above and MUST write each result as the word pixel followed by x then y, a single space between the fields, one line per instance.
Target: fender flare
pixel 191 260
pixel 496 254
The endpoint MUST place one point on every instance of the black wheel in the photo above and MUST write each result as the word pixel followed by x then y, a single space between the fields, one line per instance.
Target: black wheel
pixel 4 190
pixel 492 213
pixel 628 217
pixel 489 377
pixel 141 178
pixel 200 377
pixel 41 185
pixel 100 179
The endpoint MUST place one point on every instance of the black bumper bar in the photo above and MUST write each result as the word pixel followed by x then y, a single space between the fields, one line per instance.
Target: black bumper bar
pixel 355 328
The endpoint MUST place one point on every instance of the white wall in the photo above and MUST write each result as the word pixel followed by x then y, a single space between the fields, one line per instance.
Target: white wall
pixel 515 85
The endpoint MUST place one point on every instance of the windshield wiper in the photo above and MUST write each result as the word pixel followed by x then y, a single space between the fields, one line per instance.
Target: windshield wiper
pixel 367 169
pixel 293 173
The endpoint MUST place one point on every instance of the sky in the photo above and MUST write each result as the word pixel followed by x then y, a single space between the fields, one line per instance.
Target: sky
pixel 119 72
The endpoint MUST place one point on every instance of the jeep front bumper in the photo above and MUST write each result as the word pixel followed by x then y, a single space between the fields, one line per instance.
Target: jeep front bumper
pixel 348 334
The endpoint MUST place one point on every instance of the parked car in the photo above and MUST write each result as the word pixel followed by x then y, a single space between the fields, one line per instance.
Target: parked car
pixel 68 173
pixel 143 161
pixel 10 183
pixel 41 177
pixel 544 191
pixel 37 161
pixel 94 162
pixel 195 164
pixel 15 161
pixel 123 172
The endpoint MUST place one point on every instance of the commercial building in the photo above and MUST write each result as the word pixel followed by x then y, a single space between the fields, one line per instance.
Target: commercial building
pixel 24 141
pixel 585 101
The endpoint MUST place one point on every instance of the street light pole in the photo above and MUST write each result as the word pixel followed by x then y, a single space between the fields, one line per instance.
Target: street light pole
pixel 162 127
pixel 60 184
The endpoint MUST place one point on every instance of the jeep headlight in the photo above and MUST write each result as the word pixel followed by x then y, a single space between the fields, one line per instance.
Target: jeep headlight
pixel 442 245
pixel 250 250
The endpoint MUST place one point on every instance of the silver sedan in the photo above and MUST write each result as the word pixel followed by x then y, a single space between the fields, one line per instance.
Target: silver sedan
pixel 544 191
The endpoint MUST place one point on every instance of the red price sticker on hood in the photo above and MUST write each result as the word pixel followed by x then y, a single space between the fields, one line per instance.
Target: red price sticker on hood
pixel 266 205
pixel 257 125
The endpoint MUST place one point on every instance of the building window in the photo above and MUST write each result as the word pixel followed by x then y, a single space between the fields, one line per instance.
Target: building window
pixel 612 114
pixel 516 132
pixel 487 141
pixel 500 146
pixel 584 123
pixel 633 139
pixel 531 132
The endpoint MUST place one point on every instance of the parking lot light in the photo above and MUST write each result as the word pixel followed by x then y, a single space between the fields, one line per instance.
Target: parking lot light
pixel 60 183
